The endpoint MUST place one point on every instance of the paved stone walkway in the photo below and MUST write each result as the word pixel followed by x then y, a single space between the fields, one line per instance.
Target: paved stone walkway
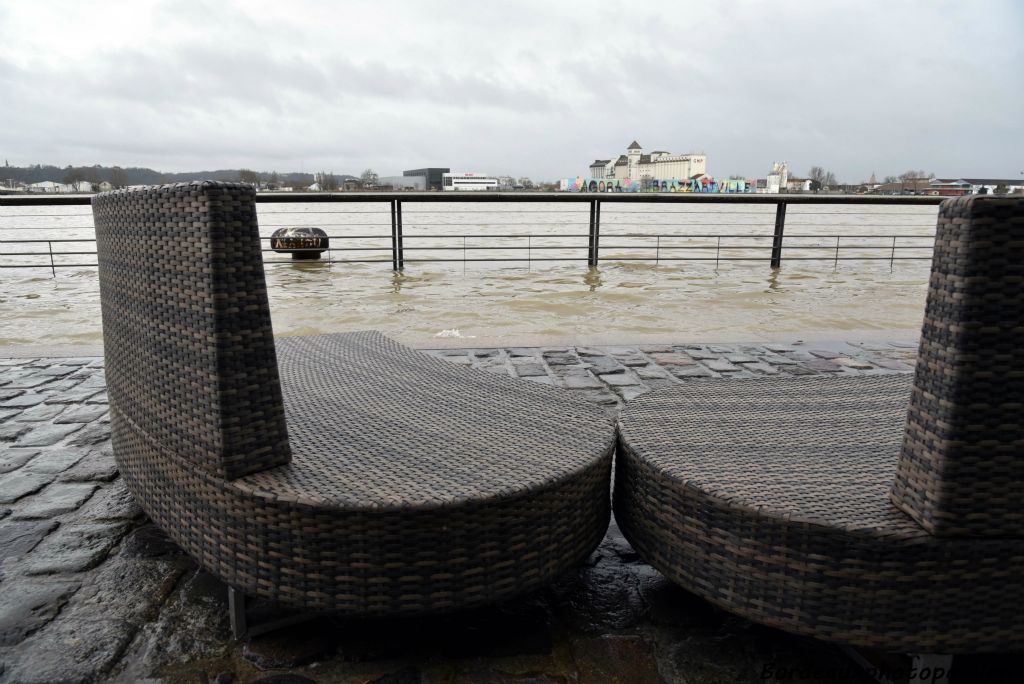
pixel 91 590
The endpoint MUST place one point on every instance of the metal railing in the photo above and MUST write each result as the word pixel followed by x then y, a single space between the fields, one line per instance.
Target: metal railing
pixel 397 246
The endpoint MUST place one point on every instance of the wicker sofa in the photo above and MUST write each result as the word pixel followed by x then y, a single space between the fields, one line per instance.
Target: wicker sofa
pixel 882 511
pixel 332 473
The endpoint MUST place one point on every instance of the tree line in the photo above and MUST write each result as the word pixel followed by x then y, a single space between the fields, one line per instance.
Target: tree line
pixel 120 177
pixel 822 179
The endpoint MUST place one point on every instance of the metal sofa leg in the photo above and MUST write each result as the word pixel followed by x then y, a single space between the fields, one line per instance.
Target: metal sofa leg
pixel 240 627
pixel 236 611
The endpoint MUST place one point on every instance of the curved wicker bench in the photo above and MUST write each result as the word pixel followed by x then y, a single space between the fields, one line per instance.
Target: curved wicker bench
pixel 825 507
pixel 356 476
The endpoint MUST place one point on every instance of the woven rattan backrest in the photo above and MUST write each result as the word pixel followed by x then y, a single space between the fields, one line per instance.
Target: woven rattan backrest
pixel 961 471
pixel 190 359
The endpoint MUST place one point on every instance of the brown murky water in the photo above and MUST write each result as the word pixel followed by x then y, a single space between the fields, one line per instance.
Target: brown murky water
pixel 697 299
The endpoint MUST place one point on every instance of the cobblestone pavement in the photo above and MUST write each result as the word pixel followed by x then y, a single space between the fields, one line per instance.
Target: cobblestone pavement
pixel 91 590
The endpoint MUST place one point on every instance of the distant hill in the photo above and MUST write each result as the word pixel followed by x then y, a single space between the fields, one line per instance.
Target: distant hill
pixel 141 176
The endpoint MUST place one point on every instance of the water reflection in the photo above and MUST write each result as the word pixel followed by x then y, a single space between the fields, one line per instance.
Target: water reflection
pixel 592 278
pixel 397 280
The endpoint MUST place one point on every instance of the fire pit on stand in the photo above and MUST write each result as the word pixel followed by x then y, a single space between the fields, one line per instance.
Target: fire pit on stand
pixel 301 243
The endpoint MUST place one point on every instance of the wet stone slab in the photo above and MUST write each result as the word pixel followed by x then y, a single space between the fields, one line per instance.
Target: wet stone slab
pixel 527 370
pixel 25 606
pixel 18 484
pixel 56 499
pixel 18 538
pixel 47 434
pixel 91 435
pixel 6 413
pixel 619 379
pixel 82 414
pixel 10 432
pixel 78 395
pixel 13 459
pixel 41 412
pixel 21 399
pixel 580 381
pixel 74 548
pixel 96 466
pixel 55 460
pixel 77 651
pixel 112 503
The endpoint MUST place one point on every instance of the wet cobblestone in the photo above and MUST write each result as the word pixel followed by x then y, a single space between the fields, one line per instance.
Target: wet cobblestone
pixel 91 590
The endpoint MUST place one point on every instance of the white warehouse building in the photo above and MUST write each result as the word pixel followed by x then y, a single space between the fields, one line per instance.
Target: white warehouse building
pixel 659 164
pixel 468 181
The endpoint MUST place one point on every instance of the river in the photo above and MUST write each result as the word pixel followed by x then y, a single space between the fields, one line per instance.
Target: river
pixel 509 300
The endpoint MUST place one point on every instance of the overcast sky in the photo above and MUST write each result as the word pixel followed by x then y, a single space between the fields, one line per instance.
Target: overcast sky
pixel 521 88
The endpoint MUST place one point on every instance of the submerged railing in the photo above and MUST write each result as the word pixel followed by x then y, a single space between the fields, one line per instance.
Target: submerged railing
pixel 582 235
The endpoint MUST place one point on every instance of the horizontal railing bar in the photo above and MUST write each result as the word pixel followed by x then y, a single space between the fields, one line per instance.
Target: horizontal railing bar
pixel 531 197
pixel 683 212
pixel 45 254
pixel 382 224
pixel 497 236
pixel 438 248
pixel 45 265
pixel 49 240
pixel 460 248
pixel 761 247
pixel 539 237
pixel 579 258
pixel 484 248
pixel 331 261
pixel 825 258
pixel 686 212
pixel 499 224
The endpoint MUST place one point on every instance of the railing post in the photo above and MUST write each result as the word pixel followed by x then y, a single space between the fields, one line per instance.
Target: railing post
pixel 394 236
pixel 780 226
pixel 398 233
pixel 590 236
pixel 53 270
pixel 595 233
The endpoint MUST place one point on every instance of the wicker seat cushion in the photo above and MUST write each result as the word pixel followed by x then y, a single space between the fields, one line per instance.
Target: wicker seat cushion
pixel 771 499
pixel 374 424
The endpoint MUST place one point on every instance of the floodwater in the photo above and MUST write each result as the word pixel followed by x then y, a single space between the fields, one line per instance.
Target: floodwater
pixel 630 295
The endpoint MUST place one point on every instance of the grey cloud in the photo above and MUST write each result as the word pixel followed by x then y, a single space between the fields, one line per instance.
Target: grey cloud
pixel 539 89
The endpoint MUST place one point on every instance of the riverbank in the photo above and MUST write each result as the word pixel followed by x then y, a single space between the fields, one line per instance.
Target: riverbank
pixel 92 589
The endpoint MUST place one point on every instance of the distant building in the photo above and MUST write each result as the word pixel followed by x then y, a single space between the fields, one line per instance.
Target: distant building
pixel 949 188
pixel 953 187
pixel 403 182
pixel 105 186
pixel 798 185
pixel 83 186
pixel 433 176
pixel 777 180
pixel 50 187
pixel 468 181
pixel 636 165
